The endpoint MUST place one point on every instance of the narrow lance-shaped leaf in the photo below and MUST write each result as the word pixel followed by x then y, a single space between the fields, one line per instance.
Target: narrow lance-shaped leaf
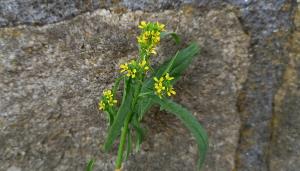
pixel 110 116
pixel 142 107
pixel 189 121
pixel 124 110
pixel 179 62
pixel 138 130
pixel 129 144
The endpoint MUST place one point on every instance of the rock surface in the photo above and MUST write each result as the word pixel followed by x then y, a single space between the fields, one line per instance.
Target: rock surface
pixel 52 76
pixel 36 12
pixel 286 135
pixel 245 89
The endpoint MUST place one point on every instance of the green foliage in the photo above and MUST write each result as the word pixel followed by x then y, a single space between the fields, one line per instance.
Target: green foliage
pixel 124 110
pixel 189 121
pixel 144 86
pixel 90 165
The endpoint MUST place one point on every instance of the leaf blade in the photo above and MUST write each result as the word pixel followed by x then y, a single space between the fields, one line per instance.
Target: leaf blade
pixel 128 145
pixel 190 122
pixel 180 63
pixel 124 109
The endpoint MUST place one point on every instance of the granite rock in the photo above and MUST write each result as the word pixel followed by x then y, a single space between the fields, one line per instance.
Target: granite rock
pixel 52 76
pixel 264 92
pixel 37 12
pixel 286 120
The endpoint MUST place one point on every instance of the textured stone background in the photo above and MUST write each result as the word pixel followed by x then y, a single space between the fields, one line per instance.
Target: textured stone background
pixel 244 87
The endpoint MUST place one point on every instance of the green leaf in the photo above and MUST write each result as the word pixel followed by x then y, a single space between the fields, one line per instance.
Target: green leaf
pixel 143 106
pixel 139 132
pixel 170 64
pixel 116 85
pixel 180 63
pixel 90 165
pixel 110 117
pixel 173 34
pixel 129 144
pixel 124 110
pixel 176 67
pixel 139 138
pixel 189 121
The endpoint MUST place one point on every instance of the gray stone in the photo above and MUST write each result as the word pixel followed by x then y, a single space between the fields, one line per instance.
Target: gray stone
pixel 269 59
pixel 286 120
pixel 36 12
pixel 52 76
pixel 271 26
pixel 13 168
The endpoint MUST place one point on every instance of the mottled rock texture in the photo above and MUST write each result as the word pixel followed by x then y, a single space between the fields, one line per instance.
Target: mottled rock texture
pixel 52 76
pixel 244 87
pixel 286 135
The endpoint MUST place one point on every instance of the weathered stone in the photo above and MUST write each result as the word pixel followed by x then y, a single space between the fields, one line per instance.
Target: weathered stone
pixel 269 58
pixel 42 12
pixel 286 120
pixel 52 76
pixel 269 25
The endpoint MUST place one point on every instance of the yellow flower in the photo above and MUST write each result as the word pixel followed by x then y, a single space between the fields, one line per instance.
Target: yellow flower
pixel 101 105
pixel 144 65
pixel 131 73
pixel 160 26
pixel 142 39
pixel 124 67
pixel 134 69
pixel 163 86
pixel 129 68
pixel 168 77
pixel 107 100
pixel 159 87
pixel 150 37
pixel 107 93
pixel 143 25
pixel 153 51
pixel 171 91
pixel 112 102
pixel 147 35
pixel 155 37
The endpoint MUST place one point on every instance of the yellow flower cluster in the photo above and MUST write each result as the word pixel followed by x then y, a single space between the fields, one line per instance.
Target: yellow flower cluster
pixel 150 36
pixel 107 100
pixel 143 65
pixel 131 72
pixel 163 86
pixel 133 68
pixel 144 25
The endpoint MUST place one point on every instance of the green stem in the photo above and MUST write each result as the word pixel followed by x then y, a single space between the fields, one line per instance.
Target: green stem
pixel 125 129
pixel 122 142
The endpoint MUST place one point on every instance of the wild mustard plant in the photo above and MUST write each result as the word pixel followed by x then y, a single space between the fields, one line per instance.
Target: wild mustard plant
pixel 143 87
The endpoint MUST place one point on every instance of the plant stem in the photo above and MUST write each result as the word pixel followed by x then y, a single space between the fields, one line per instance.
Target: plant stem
pixel 122 142
pixel 125 129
